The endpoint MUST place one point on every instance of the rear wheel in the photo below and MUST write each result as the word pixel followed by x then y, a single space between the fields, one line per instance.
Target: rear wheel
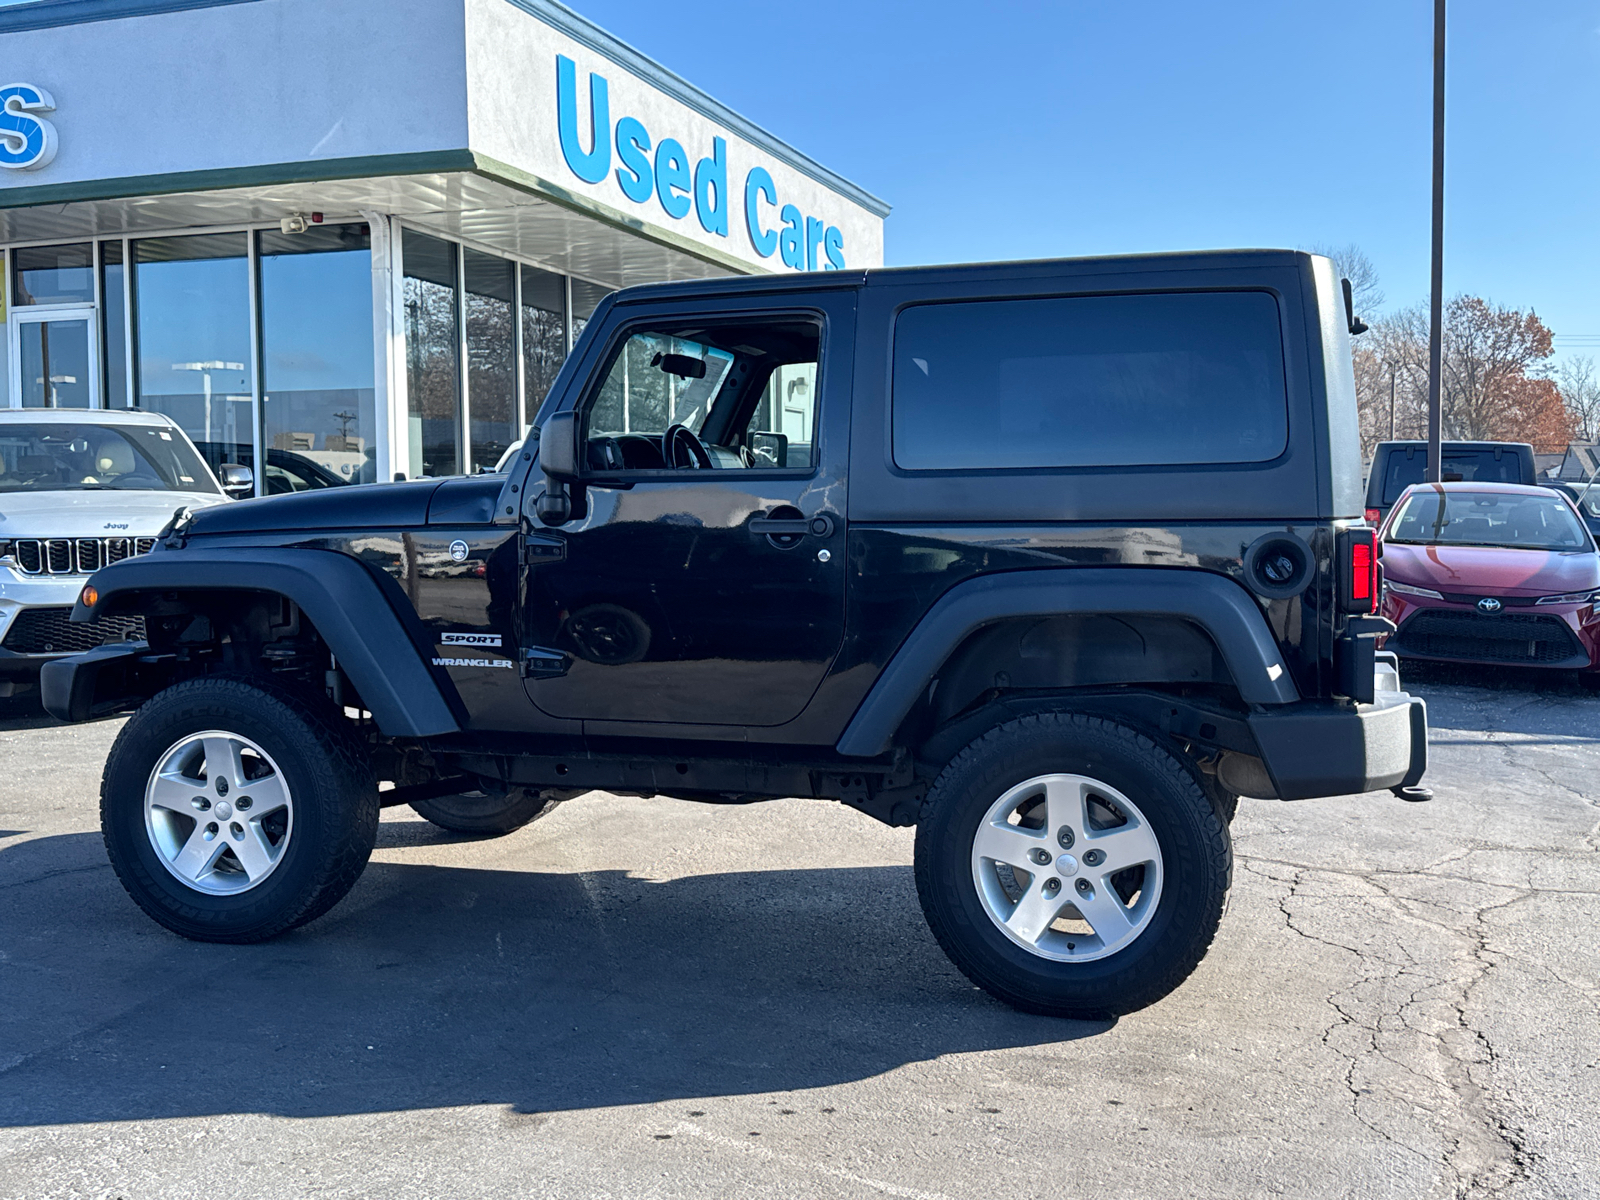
pixel 487 813
pixel 1071 866
pixel 233 810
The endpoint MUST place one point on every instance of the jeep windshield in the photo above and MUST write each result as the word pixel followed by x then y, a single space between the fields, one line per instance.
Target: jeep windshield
pixel 46 456
pixel 1508 520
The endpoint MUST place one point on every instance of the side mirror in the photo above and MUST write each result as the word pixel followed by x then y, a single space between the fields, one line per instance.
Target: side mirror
pixel 237 480
pixel 558 447
pixel 558 459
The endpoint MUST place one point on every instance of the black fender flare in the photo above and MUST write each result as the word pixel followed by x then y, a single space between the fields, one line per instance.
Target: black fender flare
pixel 1218 605
pixel 339 596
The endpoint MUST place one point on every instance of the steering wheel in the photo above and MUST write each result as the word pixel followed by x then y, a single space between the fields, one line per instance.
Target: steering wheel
pixel 694 454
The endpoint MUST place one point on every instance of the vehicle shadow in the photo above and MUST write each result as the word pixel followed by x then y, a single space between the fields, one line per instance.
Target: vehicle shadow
pixel 438 986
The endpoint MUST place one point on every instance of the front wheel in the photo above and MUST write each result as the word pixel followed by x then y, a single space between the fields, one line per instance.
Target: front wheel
pixel 234 809
pixel 1072 867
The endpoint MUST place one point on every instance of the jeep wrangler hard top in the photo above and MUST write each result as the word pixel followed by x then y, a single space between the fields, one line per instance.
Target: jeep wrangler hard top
pixel 1053 560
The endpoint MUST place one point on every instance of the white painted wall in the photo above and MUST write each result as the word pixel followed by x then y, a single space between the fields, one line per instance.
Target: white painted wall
pixel 511 73
pixel 294 81
pixel 244 85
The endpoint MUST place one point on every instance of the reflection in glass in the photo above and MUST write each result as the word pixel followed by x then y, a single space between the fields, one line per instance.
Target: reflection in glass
pixel 114 330
pixel 586 298
pixel 544 335
pixel 5 342
pixel 318 401
pixel 639 395
pixel 55 363
pixel 788 407
pixel 54 274
pixel 193 301
pixel 491 357
pixel 432 355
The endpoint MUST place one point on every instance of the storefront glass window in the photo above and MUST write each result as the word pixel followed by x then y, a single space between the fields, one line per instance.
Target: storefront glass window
pixel 319 411
pixel 491 357
pixel 5 342
pixel 586 298
pixel 193 304
pixel 54 274
pixel 544 335
pixel 114 330
pixel 55 363
pixel 433 346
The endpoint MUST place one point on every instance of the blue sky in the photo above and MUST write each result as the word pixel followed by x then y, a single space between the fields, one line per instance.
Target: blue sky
pixel 1019 128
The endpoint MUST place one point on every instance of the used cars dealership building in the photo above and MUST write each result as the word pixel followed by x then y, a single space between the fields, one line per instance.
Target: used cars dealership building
pixel 349 240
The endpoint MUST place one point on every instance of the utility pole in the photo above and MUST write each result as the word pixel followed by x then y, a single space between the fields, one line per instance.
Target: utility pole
pixel 1391 402
pixel 1436 296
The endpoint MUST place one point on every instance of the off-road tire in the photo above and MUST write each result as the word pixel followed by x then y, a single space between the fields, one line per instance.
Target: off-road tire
pixel 325 768
pixel 1197 862
pixel 1225 802
pixel 487 814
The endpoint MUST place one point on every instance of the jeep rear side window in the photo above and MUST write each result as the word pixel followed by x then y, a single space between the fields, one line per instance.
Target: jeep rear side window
pixel 1081 381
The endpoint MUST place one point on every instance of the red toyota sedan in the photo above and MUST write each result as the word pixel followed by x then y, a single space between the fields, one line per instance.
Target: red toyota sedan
pixel 1492 573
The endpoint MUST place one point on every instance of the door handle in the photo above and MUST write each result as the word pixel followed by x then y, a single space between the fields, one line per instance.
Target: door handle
pixel 820 526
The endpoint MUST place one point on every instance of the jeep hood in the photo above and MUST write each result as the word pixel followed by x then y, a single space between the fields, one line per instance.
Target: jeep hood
pixel 364 506
pixel 95 514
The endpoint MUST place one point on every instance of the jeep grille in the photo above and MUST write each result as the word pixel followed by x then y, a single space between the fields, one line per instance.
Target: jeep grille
pixel 51 631
pixel 75 556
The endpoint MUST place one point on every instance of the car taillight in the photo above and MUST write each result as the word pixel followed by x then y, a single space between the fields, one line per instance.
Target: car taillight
pixel 1358 571
pixel 1374 515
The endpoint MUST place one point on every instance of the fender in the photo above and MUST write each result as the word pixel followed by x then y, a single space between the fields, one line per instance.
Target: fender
pixel 1213 602
pixel 338 596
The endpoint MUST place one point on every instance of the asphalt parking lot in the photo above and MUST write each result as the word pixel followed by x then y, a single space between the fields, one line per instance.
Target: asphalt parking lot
pixel 645 998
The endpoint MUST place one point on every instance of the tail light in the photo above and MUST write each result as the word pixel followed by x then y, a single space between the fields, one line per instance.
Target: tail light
pixel 1358 571
pixel 1374 515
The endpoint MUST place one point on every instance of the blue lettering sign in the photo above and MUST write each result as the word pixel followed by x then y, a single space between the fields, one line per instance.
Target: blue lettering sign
pixel 789 241
pixel 595 165
pixel 758 186
pixel 27 141
pixel 672 177
pixel 638 176
pixel 633 145
pixel 711 189
pixel 833 243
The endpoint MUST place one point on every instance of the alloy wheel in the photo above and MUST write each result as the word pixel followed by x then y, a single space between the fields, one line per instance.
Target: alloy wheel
pixel 218 812
pixel 1067 867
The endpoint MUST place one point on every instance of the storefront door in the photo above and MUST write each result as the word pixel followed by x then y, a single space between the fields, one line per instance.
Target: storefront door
pixel 55 358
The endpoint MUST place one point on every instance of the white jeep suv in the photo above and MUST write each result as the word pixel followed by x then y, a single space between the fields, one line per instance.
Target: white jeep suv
pixel 80 489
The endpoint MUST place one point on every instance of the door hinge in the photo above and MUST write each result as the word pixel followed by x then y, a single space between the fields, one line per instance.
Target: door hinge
pixel 543 548
pixel 540 662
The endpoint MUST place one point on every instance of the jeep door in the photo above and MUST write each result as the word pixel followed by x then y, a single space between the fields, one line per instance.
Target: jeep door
pixel 701 578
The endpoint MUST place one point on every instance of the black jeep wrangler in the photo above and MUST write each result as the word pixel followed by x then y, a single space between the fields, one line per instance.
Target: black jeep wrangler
pixel 1052 560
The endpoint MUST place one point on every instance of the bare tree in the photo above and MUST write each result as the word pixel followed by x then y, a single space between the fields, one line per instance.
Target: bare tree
pixel 1495 386
pixel 1352 264
pixel 1580 392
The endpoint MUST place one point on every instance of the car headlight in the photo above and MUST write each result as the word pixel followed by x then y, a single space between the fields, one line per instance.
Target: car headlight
pixel 1405 589
pixel 1567 598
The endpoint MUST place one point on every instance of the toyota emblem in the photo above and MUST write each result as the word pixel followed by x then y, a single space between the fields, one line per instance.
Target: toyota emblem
pixel 1489 606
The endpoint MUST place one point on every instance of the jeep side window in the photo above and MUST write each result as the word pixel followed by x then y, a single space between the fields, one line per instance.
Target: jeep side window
pixel 745 392
pixel 1090 381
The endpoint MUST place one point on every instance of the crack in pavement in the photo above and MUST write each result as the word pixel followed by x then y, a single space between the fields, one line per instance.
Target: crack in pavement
pixel 1418 1050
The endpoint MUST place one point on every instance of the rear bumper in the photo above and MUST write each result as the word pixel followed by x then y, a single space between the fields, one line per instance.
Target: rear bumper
pixel 1333 748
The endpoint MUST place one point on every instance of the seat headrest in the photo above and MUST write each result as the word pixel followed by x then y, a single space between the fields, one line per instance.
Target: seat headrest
pixel 113 457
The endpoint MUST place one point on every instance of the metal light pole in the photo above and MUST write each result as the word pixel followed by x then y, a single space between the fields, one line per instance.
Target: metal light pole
pixel 1436 296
